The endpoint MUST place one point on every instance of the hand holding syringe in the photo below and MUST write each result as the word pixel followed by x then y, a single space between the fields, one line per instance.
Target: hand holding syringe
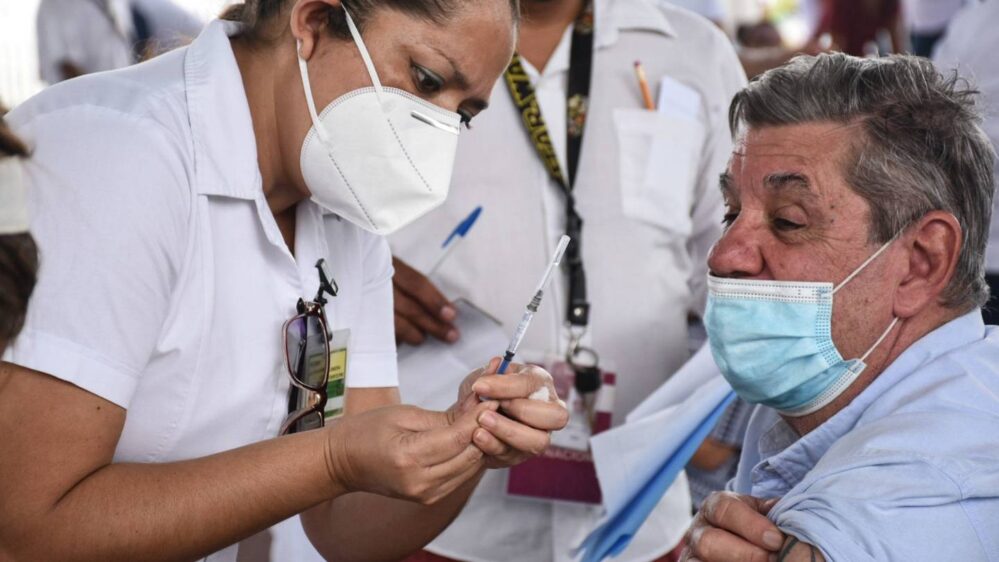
pixel 533 306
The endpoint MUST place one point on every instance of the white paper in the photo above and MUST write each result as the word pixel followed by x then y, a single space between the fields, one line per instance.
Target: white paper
pixel 629 455
pixel 678 99
pixel 430 374
pixel 697 371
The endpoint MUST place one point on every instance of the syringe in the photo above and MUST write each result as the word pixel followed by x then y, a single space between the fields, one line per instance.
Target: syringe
pixel 532 306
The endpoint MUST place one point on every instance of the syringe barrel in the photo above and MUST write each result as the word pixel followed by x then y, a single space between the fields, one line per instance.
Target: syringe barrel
pixel 518 336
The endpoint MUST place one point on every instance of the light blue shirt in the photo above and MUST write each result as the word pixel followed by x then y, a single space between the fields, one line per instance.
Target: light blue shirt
pixel 909 470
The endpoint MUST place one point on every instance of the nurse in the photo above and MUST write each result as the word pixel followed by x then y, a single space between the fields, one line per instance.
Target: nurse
pixel 181 207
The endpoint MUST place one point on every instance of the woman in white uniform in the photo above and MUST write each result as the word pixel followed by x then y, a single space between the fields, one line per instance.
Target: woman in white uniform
pixel 180 208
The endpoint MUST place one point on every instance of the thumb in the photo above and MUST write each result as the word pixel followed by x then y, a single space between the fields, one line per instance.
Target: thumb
pixel 439 441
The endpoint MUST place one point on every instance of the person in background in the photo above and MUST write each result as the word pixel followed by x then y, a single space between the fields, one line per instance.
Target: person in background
pixel 927 21
pixel 18 255
pixel 167 26
pixel 77 37
pixel 970 46
pixel 641 184
pixel 844 300
pixel 862 27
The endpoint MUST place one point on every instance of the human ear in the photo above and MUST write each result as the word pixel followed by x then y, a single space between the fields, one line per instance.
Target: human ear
pixel 308 22
pixel 933 247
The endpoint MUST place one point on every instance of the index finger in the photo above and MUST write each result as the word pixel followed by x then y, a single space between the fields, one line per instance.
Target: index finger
pixel 731 513
pixel 515 385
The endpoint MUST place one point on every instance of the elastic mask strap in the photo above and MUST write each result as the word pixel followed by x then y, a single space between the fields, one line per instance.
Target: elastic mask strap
pixel 364 53
pixel 865 264
pixel 303 67
pixel 884 335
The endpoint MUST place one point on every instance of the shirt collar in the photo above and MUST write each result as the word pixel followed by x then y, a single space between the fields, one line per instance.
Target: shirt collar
pixel 225 148
pixel 790 460
pixel 616 16
pixel 612 17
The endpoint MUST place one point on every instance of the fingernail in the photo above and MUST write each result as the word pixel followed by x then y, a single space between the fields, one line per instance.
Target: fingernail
pixel 451 336
pixel 487 419
pixel 481 388
pixel 479 436
pixel 448 313
pixel 773 539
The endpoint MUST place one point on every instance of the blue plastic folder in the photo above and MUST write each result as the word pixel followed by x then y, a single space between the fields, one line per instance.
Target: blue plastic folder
pixel 638 461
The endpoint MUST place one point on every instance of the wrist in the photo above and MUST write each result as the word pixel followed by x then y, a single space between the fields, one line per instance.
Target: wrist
pixel 333 457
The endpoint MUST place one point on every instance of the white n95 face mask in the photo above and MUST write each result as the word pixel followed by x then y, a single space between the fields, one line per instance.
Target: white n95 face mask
pixel 13 208
pixel 378 157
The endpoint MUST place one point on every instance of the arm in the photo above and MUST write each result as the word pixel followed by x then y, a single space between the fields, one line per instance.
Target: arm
pixel 65 498
pixel 712 454
pixel 358 523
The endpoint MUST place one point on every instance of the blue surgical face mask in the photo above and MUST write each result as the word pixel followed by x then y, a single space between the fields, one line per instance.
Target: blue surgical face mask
pixel 773 342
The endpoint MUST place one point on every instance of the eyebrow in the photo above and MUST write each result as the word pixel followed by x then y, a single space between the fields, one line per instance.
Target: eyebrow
pixel 461 80
pixel 790 181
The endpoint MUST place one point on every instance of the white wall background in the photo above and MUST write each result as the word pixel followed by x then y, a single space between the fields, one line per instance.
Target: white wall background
pixel 18 48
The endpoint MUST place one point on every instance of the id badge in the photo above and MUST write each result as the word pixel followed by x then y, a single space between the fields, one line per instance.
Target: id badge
pixel 565 471
pixel 336 385
pixel 576 434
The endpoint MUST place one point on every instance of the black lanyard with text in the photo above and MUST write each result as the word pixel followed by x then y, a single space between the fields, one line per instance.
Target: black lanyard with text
pixel 577 102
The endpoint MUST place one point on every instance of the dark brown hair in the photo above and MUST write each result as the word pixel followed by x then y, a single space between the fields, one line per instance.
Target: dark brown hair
pixel 18 257
pixel 256 15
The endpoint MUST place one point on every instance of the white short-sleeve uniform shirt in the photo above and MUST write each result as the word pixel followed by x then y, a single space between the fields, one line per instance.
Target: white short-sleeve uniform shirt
pixel 94 35
pixel 164 279
pixel 647 190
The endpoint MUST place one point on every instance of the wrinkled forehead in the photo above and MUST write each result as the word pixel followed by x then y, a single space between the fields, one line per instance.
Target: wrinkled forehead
pixel 807 158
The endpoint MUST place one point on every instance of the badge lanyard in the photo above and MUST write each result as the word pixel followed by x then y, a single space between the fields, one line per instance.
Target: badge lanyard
pixel 577 104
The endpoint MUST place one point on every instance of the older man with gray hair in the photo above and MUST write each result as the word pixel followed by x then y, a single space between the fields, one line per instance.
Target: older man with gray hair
pixel 843 299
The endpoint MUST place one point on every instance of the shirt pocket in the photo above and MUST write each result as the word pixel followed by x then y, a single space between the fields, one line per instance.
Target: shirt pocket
pixel 658 155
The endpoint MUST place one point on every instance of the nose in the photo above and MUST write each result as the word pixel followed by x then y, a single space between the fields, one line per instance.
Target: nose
pixel 738 253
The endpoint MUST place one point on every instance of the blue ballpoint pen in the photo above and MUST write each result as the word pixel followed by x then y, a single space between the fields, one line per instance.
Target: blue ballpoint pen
pixel 456 235
pixel 533 306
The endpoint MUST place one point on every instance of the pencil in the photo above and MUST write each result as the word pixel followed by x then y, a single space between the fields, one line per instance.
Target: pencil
pixel 643 84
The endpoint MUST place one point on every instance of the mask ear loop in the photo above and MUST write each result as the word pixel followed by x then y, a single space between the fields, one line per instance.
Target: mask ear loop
pixel 865 264
pixel 863 359
pixel 364 54
pixel 303 68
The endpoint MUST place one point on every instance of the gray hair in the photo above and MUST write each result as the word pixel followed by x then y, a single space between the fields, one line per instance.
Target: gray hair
pixel 921 148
